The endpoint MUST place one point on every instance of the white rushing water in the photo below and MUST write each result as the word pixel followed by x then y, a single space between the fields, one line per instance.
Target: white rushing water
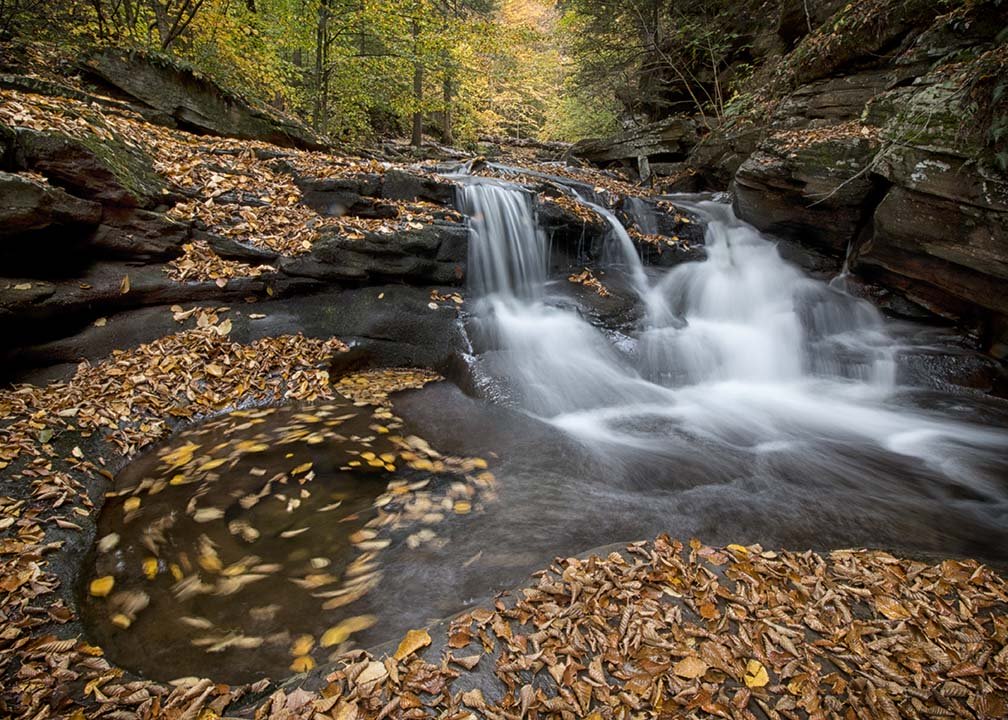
pixel 741 349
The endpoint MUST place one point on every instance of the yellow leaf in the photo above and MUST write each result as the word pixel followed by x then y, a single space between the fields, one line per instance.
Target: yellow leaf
pixel 462 507
pixel 150 568
pixel 213 464
pixel 302 645
pixel 755 674
pixel 124 285
pixel 302 664
pixel 738 549
pixel 131 504
pixel 224 328
pixel 302 468
pixel 121 621
pixel 340 633
pixel 690 667
pixel 100 587
pixel 414 640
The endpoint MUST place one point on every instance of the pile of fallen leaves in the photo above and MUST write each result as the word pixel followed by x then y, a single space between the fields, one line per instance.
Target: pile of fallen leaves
pixel 795 140
pixel 667 631
pixel 587 278
pixel 199 262
pixel 571 206
pixel 239 189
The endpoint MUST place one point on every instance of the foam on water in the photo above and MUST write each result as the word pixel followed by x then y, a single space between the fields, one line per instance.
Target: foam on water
pixel 741 349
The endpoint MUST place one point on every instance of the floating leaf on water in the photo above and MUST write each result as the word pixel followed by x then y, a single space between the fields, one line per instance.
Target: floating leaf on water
pixel 100 587
pixel 121 621
pixel 199 623
pixel 462 507
pixel 204 515
pixel 131 504
pixel 124 284
pixel 150 568
pixel 755 674
pixel 212 464
pixel 302 645
pixel 414 640
pixel 302 468
pixel 341 633
pixel 302 664
pixel 108 543
pixel 293 533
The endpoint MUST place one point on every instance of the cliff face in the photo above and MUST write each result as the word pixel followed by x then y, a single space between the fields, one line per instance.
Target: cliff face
pixel 875 138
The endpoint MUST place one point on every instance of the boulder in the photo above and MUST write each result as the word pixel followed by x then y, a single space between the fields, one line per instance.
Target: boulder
pixel 808 185
pixel 668 140
pixel 401 185
pixel 435 254
pixel 32 311
pixel 192 102
pixel 959 250
pixel 839 99
pixel 335 197
pixel 103 170
pixel 138 235
pixel 42 228
pixel 30 206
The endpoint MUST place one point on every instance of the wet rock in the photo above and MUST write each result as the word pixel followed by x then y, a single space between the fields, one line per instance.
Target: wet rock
pixel 394 326
pixel 960 250
pixel 717 157
pixel 177 95
pixel 138 235
pixel 34 311
pixel 231 249
pixel 102 170
pixel 334 197
pixel 400 185
pixel 664 141
pixel 29 206
pixel 803 188
pixel 434 254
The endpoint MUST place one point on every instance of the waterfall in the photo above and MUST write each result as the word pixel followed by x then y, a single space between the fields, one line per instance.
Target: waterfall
pixel 507 256
pixel 741 349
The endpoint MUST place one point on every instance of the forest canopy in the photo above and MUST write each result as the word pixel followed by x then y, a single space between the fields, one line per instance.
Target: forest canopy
pixel 455 70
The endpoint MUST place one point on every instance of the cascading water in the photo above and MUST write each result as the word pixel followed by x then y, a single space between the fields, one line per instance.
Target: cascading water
pixel 741 350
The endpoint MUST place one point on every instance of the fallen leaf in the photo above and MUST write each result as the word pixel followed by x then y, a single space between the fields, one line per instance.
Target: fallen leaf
pixel 100 587
pixel 414 640
pixel 755 674
pixel 690 667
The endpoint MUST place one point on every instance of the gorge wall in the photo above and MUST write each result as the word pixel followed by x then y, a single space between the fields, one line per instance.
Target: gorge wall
pixel 873 138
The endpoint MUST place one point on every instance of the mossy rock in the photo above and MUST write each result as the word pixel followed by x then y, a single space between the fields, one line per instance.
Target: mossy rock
pixel 104 170
pixel 180 95
pixel 928 116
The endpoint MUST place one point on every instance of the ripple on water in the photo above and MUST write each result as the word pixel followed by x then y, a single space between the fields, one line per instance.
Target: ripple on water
pixel 239 548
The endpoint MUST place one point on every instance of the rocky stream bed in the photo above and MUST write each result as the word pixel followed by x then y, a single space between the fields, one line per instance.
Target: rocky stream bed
pixel 268 449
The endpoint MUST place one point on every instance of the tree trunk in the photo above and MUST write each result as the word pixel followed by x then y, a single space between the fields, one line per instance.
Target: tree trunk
pixel 447 131
pixel 418 73
pixel 321 108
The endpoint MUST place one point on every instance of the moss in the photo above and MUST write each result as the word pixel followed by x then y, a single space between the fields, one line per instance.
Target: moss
pixel 130 166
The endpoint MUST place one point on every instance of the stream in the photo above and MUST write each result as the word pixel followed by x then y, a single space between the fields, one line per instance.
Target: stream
pixel 748 403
